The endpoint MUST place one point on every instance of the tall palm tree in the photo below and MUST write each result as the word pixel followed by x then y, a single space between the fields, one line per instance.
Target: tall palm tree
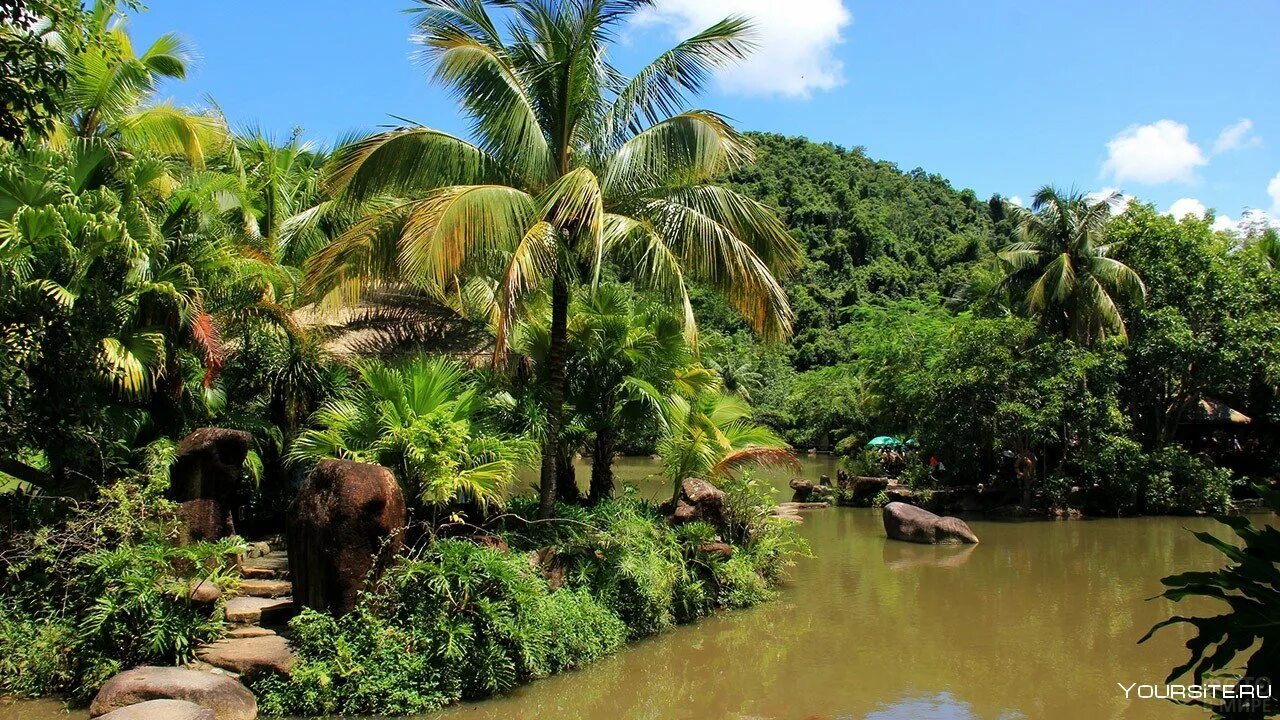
pixel 572 163
pixel 1062 263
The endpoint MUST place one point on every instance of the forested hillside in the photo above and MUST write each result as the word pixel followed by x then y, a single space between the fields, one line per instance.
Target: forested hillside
pixel 870 232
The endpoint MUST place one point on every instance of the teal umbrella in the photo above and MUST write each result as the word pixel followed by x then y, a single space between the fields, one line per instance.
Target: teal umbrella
pixel 885 441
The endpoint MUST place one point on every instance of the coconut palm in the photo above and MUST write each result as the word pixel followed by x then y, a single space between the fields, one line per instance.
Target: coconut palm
pixel 624 355
pixel 278 189
pixel 111 88
pixel 1268 246
pixel 1063 265
pixel 572 163
pixel 709 434
pixel 422 419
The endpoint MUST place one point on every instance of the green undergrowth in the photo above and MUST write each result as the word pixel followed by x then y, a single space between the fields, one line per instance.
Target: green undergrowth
pixel 457 620
pixel 103 589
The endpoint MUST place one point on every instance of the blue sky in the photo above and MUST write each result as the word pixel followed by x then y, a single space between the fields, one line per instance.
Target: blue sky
pixel 1173 101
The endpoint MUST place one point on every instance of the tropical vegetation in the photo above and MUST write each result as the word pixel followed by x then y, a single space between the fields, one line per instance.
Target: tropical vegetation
pixel 598 267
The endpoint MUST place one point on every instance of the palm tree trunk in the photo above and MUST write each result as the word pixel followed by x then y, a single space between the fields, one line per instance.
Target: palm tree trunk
pixel 566 479
pixel 602 465
pixel 555 394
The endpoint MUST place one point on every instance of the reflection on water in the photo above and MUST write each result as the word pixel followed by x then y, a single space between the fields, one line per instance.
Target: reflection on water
pixel 1040 620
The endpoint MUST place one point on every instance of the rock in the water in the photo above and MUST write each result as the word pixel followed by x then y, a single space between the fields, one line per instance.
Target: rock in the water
pixel 806 491
pixel 700 500
pixel 227 698
pixel 913 524
pixel 161 710
pixel 205 480
pixel 250 656
pixel 345 525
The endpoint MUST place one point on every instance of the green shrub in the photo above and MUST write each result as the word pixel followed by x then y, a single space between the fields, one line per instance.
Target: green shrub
pixel 359 664
pixel 1121 478
pixel 1180 482
pixel 113 589
pixel 450 622
pixel 35 652
pixel 739 584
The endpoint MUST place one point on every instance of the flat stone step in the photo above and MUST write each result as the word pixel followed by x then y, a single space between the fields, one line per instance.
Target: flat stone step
pixel 249 656
pixel 249 631
pixel 256 611
pixel 273 565
pixel 264 588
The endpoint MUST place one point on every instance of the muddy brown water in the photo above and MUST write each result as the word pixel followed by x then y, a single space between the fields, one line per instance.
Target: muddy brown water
pixel 1041 620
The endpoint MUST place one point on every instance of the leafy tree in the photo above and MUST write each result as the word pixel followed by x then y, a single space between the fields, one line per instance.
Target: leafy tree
pixel 573 163
pixel 1064 264
pixel 33 67
pixel 1210 327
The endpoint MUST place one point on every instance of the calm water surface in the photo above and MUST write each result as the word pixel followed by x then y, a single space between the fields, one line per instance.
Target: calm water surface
pixel 1040 620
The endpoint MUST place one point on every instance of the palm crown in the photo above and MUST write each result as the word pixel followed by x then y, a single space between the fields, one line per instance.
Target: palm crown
pixel 1065 265
pixel 572 162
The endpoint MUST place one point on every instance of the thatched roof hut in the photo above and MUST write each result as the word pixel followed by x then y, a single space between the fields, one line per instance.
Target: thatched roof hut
pixel 1213 412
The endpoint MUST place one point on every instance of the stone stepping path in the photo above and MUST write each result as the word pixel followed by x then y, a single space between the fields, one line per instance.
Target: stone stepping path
pixel 257 612
pixel 272 566
pixel 244 610
pixel 249 631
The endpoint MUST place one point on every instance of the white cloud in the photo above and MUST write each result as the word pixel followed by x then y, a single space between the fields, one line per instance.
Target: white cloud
pixel 1273 189
pixel 1187 206
pixel 1157 153
pixel 1015 200
pixel 1234 137
pixel 795 41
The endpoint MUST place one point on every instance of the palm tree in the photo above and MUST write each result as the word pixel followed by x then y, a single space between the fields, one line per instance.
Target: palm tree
pixel 422 419
pixel 709 434
pixel 572 163
pixel 1268 245
pixel 1063 264
pixel 278 191
pixel 110 94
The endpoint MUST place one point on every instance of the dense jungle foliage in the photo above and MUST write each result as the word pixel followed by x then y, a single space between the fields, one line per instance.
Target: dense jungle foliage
pixel 915 317
pixel 606 269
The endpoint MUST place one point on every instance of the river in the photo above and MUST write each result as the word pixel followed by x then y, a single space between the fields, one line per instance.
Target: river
pixel 1039 621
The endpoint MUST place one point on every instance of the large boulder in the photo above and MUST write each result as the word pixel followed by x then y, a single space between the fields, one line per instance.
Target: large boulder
pixel 345 525
pixel 913 524
pixel 227 698
pixel 205 480
pixel 699 500
pixel 161 710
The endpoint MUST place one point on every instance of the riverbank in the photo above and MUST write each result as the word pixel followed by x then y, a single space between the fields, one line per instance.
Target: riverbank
pixel 464 612
pixel 1040 620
